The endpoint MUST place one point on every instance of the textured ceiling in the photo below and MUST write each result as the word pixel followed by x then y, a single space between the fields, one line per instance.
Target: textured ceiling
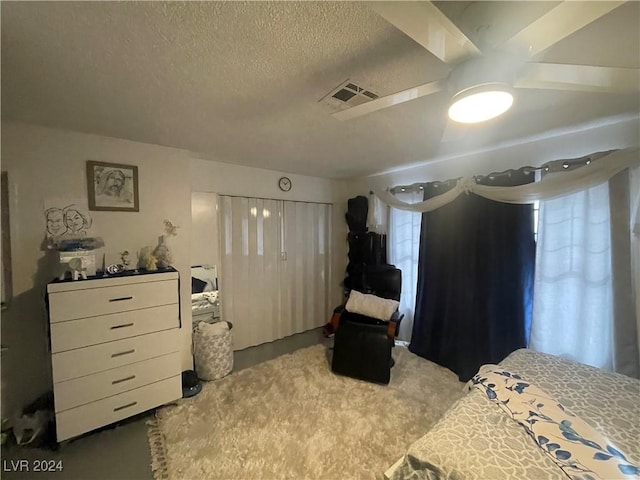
pixel 240 82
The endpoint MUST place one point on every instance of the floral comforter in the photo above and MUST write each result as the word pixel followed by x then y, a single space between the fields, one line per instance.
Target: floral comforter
pixel 476 439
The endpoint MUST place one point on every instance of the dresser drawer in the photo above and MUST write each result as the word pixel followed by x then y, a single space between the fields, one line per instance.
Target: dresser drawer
pixel 72 305
pixel 107 328
pixel 83 390
pixel 79 420
pixel 98 358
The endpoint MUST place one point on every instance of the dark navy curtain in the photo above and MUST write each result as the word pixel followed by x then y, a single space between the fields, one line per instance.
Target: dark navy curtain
pixel 475 278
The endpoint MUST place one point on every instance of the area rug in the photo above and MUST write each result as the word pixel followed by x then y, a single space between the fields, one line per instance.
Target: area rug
pixel 292 418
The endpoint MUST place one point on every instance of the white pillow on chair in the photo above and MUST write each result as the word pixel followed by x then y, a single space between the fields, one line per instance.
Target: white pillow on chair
pixel 371 305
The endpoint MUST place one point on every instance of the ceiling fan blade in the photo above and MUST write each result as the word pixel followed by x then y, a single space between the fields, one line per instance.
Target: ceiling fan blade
pixel 558 23
pixel 585 78
pixel 450 132
pixel 459 132
pixel 426 24
pixel 389 100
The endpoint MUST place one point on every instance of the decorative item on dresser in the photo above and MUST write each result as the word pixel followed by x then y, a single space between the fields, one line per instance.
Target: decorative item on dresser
pixel 115 348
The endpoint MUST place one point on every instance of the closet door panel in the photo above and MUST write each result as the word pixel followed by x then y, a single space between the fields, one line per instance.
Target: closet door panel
pixel 275 267
pixel 250 231
pixel 307 269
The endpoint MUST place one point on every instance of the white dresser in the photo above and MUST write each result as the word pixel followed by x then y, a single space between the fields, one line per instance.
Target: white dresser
pixel 115 348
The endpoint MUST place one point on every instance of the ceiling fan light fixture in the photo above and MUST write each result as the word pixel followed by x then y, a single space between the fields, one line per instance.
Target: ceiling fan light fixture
pixel 480 103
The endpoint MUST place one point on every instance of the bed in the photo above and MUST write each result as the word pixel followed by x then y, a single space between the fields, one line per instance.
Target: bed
pixel 475 439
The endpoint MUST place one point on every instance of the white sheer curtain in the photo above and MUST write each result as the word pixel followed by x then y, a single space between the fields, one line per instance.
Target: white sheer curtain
pixel 582 306
pixel 275 267
pixel 404 245
pixel 377 215
pixel 572 306
pixel 600 167
pixel 634 195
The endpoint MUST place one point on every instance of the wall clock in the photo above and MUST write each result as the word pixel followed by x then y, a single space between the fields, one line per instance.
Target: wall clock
pixel 285 184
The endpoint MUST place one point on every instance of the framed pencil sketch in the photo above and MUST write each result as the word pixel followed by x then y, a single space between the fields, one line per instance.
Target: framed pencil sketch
pixel 112 187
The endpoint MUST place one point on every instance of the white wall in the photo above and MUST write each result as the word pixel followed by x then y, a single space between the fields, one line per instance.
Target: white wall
pixel 227 179
pixel 48 163
pixel 205 244
pixel 44 163
pixel 607 134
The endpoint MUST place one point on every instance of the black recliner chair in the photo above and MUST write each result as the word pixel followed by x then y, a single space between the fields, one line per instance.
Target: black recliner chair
pixel 362 345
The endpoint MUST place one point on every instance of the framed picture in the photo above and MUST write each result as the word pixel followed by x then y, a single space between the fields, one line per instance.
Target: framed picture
pixel 112 187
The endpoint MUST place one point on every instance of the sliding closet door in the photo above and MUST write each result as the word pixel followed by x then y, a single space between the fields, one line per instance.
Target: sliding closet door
pixel 306 272
pixel 250 265
pixel 275 267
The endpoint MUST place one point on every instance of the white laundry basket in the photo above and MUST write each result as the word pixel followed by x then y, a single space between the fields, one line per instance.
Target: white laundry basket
pixel 212 350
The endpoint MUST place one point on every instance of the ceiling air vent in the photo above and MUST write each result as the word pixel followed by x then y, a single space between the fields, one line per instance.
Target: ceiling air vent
pixel 348 95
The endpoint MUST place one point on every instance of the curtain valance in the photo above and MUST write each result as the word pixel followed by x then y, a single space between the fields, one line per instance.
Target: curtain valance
pixel 602 167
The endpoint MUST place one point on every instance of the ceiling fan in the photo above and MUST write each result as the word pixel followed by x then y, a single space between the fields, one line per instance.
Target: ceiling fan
pixel 482 84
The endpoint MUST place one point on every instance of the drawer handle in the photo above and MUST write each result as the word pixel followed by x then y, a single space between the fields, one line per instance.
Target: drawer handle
pixel 124 325
pixel 125 406
pixel 120 299
pixel 115 382
pixel 119 354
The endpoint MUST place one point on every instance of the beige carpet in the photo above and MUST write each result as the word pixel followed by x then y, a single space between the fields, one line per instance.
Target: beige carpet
pixel 292 418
